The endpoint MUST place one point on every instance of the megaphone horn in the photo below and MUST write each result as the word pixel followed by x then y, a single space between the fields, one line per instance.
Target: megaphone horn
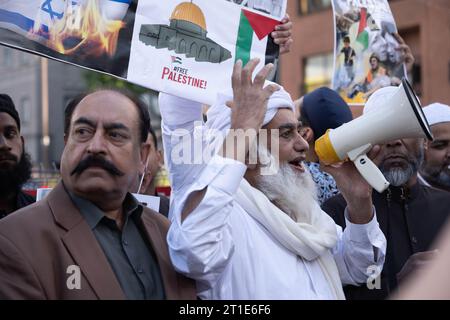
pixel 390 113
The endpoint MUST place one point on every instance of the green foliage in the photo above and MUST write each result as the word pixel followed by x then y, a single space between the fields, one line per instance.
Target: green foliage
pixel 95 80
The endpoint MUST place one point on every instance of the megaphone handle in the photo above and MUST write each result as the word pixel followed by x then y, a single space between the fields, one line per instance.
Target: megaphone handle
pixel 371 173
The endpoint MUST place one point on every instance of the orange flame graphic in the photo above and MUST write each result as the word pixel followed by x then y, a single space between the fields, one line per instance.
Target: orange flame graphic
pixel 92 33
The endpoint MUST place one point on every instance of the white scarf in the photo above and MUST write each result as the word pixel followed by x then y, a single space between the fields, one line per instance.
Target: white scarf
pixel 311 239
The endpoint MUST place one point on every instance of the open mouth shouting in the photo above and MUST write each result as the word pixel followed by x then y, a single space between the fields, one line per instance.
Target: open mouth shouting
pixel 297 164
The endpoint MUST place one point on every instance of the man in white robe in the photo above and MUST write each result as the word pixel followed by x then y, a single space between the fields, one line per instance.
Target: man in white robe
pixel 244 235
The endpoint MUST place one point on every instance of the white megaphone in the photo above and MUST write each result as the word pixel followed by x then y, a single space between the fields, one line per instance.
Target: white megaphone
pixel 390 113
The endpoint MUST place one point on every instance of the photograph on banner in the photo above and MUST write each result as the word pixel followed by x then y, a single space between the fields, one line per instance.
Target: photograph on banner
pixel 188 48
pixel 274 8
pixel 365 58
pixel 82 32
pixel 182 47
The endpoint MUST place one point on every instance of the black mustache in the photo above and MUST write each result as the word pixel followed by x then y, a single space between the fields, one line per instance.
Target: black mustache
pixel 93 161
pixel 4 155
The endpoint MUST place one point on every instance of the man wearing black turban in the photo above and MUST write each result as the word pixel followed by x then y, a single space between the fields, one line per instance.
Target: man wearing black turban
pixel 322 109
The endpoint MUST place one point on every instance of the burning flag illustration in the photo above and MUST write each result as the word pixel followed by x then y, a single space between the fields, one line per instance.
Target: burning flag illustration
pixel 87 27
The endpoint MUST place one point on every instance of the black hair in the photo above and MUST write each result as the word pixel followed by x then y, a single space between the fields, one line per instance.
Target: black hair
pixel 144 116
pixel 153 134
pixel 11 180
pixel 7 106
pixel 374 55
pixel 347 39
pixel 304 120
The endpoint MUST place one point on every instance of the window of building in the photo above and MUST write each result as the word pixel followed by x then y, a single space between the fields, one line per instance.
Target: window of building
pixel 24 58
pixel 7 57
pixel 415 76
pixel 318 72
pixel 25 110
pixel 306 7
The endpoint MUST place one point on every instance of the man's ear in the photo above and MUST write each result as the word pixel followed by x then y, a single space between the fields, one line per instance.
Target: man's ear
pixel 23 142
pixel 65 139
pixel 309 135
pixel 425 144
pixel 144 152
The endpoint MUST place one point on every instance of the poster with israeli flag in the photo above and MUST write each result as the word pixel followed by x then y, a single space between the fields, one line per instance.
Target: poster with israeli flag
pixel 183 47
pixel 82 32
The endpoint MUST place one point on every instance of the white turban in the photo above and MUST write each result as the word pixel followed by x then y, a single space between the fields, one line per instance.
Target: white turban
pixel 437 113
pixel 219 115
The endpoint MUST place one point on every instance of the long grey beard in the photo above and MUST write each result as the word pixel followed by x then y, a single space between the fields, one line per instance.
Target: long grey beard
pixel 397 176
pixel 293 193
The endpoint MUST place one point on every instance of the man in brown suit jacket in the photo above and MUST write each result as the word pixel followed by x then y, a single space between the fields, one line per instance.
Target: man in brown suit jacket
pixel 89 238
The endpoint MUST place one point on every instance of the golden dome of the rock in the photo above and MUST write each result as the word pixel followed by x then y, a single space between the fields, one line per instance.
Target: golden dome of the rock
pixel 190 12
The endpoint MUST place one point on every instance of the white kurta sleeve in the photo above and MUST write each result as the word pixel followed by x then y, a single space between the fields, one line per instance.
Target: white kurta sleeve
pixel 360 251
pixel 202 245
pixel 179 117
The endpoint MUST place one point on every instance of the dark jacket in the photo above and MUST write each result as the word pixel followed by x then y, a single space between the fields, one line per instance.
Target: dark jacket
pixel 409 218
pixel 22 200
pixel 38 244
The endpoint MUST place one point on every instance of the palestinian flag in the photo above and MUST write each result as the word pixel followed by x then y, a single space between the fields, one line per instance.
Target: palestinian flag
pixel 363 35
pixel 176 59
pixel 252 37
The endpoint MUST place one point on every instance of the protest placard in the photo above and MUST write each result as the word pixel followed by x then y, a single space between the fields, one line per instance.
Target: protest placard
pixel 183 47
pixel 366 58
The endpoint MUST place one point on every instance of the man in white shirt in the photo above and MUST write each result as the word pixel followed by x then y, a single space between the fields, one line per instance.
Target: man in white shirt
pixel 244 235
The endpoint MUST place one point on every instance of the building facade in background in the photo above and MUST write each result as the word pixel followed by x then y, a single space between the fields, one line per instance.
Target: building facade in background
pixel 22 80
pixel 423 24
